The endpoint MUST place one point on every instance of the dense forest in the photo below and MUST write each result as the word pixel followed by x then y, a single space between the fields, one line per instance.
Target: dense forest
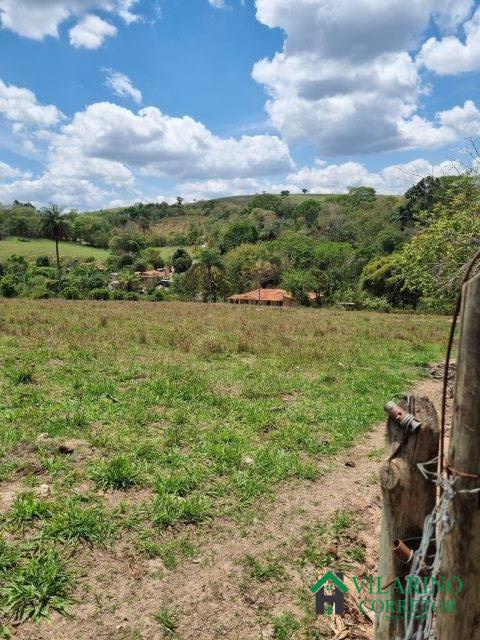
pixel 379 252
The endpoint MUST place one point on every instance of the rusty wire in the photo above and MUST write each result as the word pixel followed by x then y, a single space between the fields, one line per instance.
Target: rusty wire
pixel 441 458
pixel 440 521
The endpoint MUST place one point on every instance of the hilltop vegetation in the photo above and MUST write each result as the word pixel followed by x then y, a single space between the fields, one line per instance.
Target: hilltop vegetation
pixel 379 252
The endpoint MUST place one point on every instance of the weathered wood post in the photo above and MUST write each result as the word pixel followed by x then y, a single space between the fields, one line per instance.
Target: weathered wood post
pixel 462 544
pixel 407 498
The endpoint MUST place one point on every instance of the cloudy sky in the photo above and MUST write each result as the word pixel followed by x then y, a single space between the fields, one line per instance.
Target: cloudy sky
pixel 105 102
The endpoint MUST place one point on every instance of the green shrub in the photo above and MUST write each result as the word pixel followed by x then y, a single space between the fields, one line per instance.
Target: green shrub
pixel 8 287
pixel 117 294
pixel 159 295
pixel 99 294
pixel 124 260
pixel 130 295
pixel 140 264
pixel 181 261
pixel 363 300
pixel 153 257
pixel 41 292
pixel 71 293
pixel 42 261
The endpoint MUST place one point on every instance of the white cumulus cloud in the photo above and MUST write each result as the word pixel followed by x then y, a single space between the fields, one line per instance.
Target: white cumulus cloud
pixel 336 178
pixel 91 32
pixel 122 86
pixel 39 18
pixel 464 120
pixel 20 105
pixel 98 156
pixel 156 144
pixel 452 56
pixel 7 172
pixel 346 78
pixel 216 188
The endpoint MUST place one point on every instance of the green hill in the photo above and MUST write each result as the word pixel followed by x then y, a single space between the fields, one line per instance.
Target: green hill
pixel 41 247
pixel 292 198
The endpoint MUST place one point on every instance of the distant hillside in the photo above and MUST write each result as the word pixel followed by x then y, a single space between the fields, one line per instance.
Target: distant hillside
pixel 293 198
pixel 202 218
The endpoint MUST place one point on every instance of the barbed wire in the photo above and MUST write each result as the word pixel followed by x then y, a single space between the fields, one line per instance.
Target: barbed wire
pixel 427 560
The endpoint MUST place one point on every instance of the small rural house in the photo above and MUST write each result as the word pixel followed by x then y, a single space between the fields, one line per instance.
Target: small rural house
pixel 269 297
pixel 155 277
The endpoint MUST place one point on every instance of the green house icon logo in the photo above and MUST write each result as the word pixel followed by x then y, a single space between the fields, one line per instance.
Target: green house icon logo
pixel 333 597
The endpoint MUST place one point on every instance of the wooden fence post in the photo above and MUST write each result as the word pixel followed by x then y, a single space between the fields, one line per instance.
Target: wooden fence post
pixel 462 544
pixel 407 498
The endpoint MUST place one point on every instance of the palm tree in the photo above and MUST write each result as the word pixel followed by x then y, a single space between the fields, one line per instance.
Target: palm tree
pixel 209 259
pixel 54 226
pixel 128 280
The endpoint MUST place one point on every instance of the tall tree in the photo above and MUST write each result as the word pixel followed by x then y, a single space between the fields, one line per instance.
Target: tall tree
pixel 54 226
pixel 181 261
pixel 208 260
pixel 262 272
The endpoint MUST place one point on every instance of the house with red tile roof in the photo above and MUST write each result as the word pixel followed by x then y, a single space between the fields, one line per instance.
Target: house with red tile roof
pixel 269 297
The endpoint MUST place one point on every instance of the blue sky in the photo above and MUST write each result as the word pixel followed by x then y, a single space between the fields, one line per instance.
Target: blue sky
pixel 104 102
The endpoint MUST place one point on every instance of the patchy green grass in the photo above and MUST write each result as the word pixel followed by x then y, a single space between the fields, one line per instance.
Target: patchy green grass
pixel 284 626
pixel 77 522
pixel 27 508
pixel 263 571
pixel 118 473
pixel 170 552
pixel 180 415
pixel 42 247
pixel 167 620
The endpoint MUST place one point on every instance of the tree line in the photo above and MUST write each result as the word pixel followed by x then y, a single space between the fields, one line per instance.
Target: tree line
pixel 379 252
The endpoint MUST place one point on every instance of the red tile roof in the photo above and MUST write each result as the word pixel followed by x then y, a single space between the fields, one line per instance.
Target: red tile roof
pixel 264 295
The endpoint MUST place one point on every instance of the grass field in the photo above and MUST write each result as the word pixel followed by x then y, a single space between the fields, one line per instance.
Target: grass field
pixel 34 248
pixel 134 432
pixel 167 252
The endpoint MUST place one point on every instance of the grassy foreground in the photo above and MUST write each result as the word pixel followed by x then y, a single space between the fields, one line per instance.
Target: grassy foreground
pixel 124 425
pixel 42 247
